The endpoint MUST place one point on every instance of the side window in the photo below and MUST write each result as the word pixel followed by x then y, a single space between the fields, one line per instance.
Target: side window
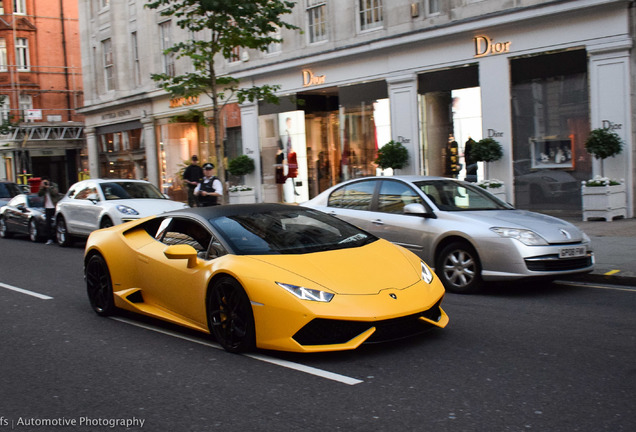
pixel 184 231
pixel 88 192
pixel 357 196
pixel 395 195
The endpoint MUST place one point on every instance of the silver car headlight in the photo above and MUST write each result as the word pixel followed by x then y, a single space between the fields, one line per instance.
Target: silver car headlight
pixel 307 293
pixel 427 274
pixel 127 210
pixel 527 237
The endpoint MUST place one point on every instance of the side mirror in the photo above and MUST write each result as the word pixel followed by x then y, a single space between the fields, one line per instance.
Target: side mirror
pixel 182 251
pixel 21 207
pixel 418 209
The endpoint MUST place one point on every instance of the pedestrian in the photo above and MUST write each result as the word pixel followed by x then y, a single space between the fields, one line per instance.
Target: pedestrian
pixel 192 177
pixel 210 188
pixel 51 194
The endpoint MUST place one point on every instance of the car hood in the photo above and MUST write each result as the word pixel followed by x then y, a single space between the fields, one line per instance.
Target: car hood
pixel 365 270
pixel 552 229
pixel 149 207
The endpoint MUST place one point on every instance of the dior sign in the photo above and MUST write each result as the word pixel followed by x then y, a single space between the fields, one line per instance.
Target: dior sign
pixel 486 46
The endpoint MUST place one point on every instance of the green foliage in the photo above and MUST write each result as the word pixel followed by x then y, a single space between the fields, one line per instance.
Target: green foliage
pixel 241 165
pixel 487 150
pixel 392 155
pixel 603 143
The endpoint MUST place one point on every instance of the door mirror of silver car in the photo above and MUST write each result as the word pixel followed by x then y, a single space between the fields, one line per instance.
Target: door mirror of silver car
pixel 418 209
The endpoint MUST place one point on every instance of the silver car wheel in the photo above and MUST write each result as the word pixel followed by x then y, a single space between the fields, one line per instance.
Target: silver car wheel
pixel 459 269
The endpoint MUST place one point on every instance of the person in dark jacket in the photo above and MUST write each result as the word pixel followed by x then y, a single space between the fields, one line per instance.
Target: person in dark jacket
pixel 210 189
pixel 191 177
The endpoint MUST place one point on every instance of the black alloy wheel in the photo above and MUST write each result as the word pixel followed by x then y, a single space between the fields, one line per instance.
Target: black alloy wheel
pixel 4 230
pixel 34 233
pixel 459 268
pixel 230 317
pixel 61 233
pixel 99 286
pixel 106 223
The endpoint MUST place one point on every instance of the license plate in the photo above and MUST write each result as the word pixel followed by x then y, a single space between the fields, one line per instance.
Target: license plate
pixel 572 252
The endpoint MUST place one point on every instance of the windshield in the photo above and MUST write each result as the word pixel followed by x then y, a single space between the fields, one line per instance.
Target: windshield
pixel 289 231
pixel 130 190
pixel 451 195
pixel 8 190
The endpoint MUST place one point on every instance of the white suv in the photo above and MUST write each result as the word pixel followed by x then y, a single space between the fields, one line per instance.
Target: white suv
pixel 99 203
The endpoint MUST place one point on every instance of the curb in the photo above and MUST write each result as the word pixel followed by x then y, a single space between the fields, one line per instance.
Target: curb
pixel 603 279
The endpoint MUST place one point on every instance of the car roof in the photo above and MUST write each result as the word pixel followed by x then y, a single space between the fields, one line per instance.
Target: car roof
pixel 205 213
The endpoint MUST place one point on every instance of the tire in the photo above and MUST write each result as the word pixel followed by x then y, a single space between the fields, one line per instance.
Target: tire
pixel 99 286
pixel 230 317
pixel 34 232
pixel 64 239
pixel 106 223
pixel 459 268
pixel 4 230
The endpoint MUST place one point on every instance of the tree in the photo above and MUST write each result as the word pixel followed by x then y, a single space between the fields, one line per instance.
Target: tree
pixel 392 155
pixel 603 143
pixel 221 26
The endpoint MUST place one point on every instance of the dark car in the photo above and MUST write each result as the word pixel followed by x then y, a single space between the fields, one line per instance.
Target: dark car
pixel 24 214
pixel 7 191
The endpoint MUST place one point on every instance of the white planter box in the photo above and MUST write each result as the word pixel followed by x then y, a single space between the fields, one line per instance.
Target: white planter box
pixel 604 202
pixel 242 197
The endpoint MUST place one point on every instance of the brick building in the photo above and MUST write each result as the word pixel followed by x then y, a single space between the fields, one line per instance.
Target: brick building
pixel 40 88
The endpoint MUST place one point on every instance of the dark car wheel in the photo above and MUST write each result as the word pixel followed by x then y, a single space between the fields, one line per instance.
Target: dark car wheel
pixel 4 231
pixel 106 223
pixel 34 233
pixel 61 233
pixel 230 317
pixel 99 286
pixel 459 268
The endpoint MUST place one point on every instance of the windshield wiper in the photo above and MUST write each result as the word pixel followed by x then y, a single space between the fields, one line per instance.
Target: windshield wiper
pixel 353 238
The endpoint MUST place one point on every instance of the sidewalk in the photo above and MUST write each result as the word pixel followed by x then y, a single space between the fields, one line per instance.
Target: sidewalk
pixel 614 245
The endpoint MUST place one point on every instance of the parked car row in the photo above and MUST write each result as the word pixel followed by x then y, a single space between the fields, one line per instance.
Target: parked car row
pixel 87 206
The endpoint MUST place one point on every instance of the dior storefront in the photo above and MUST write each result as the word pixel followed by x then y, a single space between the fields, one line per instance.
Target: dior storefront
pixel 536 83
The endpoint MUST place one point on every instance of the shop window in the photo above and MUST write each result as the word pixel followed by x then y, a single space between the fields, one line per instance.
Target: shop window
pixel 550 118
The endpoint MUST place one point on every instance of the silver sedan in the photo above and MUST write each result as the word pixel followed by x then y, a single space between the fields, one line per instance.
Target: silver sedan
pixel 468 234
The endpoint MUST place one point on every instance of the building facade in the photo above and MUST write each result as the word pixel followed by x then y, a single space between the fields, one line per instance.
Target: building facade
pixel 40 90
pixel 534 75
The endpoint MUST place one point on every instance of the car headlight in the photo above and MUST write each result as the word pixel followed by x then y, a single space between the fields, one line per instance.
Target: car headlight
pixel 427 274
pixel 306 293
pixel 527 237
pixel 127 210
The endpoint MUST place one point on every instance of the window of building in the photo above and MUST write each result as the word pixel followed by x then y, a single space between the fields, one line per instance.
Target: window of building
pixel 433 7
pixel 22 54
pixel 317 20
pixel 26 103
pixel 371 14
pixel 1 8
pixel 5 108
pixel 19 7
pixel 275 47
pixel 235 55
pixel 3 55
pixel 165 33
pixel 109 65
pixel 134 46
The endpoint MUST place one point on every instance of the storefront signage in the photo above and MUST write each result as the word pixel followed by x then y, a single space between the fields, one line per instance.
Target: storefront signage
pixel 611 126
pixel 184 101
pixel 309 79
pixel 485 46
pixel 493 133
pixel 403 140
pixel 113 115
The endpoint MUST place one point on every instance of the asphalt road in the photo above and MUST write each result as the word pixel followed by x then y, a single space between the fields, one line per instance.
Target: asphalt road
pixel 542 357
